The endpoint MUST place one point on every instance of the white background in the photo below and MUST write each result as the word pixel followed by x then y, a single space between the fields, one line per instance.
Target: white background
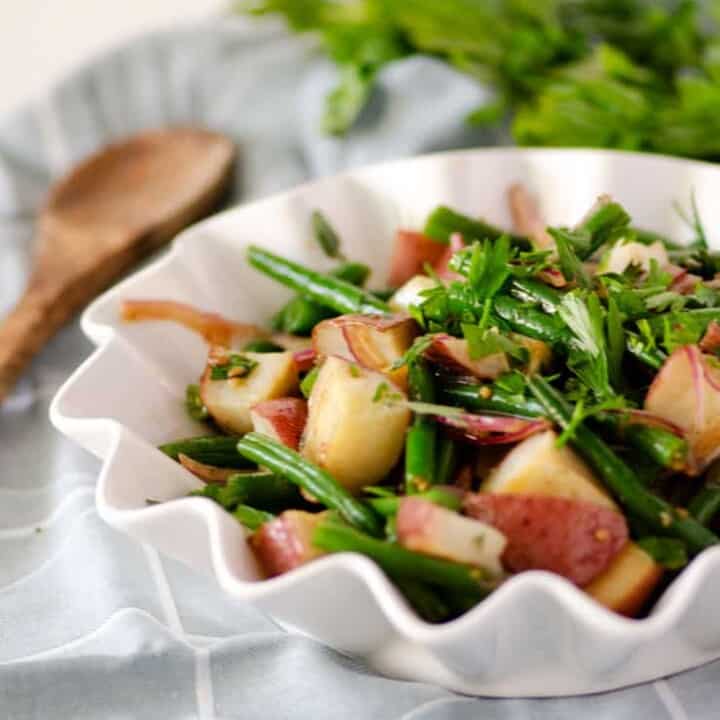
pixel 40 40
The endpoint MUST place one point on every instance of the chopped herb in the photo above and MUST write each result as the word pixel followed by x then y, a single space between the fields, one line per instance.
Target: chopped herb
pixel 615 343
pixel 682 328
pixel 419 346
pixel 308 382
pixel 252 518
pixel 380 391
pixel 325 235
pixel 194 405
pixel 490 267
pixel 570 265
pixel 588 353
pixel 355 370
pixel 235 366
pixel 482 343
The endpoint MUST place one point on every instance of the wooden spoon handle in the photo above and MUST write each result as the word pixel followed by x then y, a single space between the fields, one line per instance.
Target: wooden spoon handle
pixel 25 331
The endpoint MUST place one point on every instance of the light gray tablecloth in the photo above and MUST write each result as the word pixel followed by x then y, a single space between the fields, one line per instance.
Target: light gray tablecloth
pixel 93 625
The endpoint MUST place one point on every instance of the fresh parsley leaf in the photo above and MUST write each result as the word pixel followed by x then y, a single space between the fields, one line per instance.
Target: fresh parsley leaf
pixel 490 266
pixel 484 342
pixel 681 328
pixel 705 296
pixel 604 221
pixel 668 552
pixel 570 265
pixel 615 342
pixel 588 352
pixel 657 277
pixel 513 383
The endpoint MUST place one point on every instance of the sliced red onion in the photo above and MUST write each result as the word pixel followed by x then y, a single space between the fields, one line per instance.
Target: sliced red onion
pixel 645 417
pixel 494 429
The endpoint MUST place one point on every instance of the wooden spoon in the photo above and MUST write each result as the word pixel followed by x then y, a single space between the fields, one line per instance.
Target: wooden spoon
pixel 100 219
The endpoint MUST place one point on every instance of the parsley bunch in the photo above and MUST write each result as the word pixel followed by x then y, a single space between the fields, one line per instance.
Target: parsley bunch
pixel 633 74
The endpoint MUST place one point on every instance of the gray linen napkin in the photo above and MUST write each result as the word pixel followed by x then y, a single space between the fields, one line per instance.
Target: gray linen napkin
pixel 94 625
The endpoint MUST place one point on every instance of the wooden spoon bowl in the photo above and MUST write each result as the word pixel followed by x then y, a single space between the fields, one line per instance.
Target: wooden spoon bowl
pixel 103 217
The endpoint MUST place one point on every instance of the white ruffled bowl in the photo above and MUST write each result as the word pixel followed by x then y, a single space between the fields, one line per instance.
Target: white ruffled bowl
pixel 538 634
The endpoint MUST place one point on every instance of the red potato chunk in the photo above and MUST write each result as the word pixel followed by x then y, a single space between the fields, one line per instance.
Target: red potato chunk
pixel 229 401
pixel 372 341
pixel 282 419
pixel 351 432
pixel 453 354
pixel 412 250
pixel 686 392
pixel 575 539
pixel 425 527
pixel 286 542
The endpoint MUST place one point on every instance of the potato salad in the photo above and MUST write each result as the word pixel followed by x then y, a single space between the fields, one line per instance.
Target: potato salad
pixel 542 398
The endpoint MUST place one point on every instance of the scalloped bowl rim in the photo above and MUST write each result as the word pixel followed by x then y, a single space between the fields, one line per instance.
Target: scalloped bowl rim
pixel 402 619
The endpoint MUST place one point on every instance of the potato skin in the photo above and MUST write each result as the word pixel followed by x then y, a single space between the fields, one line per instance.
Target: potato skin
pixel 372 341
pixel 575 539
pixel 351 433
pixel 282 419
pixel 425 527
pixel 286 542
pixel 537 466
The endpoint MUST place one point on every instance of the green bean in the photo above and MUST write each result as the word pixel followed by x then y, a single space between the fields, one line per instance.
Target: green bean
pixel 421 437
pixel 602 220
pixel 300 315
pixel 388 505
pixel 320 484
pixel 487 398
pixel 446 460
pixel 531 321
pixel 396 561
pixel 252 518
pixel 520 315
pixel 705 505
pixel 534 291
pixel 443 222
pixel 629 491
pixel 263 490
pixel 324 289
pixel 663 447
pixel 217 450
pixel 654 357
pixel 423 599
